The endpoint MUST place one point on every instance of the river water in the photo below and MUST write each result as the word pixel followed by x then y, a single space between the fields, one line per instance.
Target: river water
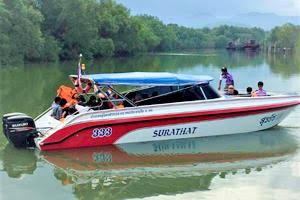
pixel 261 165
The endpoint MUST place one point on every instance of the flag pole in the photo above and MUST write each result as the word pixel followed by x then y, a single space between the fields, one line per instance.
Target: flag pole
pixel 79 72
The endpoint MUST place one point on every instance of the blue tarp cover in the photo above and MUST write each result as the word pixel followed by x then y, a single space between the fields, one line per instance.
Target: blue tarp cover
pixel 147 79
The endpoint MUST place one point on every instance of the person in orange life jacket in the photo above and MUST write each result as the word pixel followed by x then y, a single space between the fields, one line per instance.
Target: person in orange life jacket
pixel 67 93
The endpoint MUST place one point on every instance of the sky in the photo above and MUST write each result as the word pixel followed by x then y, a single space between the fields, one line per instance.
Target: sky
pixel 167 9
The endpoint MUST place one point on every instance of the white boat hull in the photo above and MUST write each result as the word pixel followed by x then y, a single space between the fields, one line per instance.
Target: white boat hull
pixel 227 126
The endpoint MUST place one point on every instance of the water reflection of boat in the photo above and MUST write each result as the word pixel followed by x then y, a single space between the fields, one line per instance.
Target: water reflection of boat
pixel 164 167
pixel 216 150
pixel 18 162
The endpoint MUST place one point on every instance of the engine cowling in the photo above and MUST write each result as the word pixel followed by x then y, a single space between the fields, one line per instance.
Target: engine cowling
pixel 19 129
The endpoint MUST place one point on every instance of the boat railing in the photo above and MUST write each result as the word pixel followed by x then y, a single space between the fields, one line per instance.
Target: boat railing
pixel 42 114
pixel 98 107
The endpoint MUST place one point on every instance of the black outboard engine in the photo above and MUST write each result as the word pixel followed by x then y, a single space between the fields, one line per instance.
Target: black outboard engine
pixel 19 129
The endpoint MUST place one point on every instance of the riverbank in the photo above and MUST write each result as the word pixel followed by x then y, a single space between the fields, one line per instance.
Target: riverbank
pixel 113 31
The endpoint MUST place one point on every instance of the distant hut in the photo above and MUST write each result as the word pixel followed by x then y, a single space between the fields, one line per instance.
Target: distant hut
pixel 251 45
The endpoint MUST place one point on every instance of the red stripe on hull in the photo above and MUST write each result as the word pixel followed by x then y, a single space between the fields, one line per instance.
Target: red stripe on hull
pixel 79 135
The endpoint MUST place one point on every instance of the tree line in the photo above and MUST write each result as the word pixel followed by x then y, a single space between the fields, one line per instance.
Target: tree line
pixel 48 30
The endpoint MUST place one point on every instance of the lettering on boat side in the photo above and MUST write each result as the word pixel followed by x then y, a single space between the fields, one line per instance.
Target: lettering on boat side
pixel 267 120
pixel 174 131
pixel 121 113
pixel 101 132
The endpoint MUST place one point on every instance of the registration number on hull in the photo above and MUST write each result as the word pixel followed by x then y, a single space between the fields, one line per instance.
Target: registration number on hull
pixel 101 132
pixel 267 120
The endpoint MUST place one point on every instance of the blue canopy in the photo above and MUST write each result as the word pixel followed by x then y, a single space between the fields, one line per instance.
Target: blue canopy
pixel 147 79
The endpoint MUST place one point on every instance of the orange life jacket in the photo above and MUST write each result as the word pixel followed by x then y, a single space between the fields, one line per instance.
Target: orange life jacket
pixel 67 93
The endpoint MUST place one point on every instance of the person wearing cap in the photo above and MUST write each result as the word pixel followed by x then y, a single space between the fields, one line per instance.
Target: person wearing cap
pixel 225 75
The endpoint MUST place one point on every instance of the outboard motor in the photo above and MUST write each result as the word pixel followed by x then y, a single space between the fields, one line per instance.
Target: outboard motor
pixel 19 129
pixel 7 116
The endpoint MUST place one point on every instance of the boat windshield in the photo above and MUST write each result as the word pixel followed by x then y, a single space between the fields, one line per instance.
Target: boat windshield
pixel 172 94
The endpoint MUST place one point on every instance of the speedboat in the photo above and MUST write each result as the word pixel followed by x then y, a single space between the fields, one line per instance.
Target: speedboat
pixel 158 106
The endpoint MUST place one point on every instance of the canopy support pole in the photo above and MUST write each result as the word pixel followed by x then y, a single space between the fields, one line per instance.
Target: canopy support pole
pixel 115 91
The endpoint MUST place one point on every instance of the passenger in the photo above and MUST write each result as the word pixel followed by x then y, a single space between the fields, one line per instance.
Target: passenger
pixel 74 98
pixel 231 90
pixel 81 100
pixel 249 90
pixel 55 105
pixel 227 77
pixel 117 104
pixel 58 111
pixel 69 110
pixel 235 92
pixel 56 102
pixel 79 88
pixel 67 93
pixel 137 97
pixel 100 94
pixel 92 102
pixel 260 91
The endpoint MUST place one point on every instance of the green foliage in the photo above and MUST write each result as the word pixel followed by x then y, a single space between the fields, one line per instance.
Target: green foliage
pixel 285 36
pixel 73 23
pixel 104 47
pixel 45 30
pixel 50 49
pixel 21 33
